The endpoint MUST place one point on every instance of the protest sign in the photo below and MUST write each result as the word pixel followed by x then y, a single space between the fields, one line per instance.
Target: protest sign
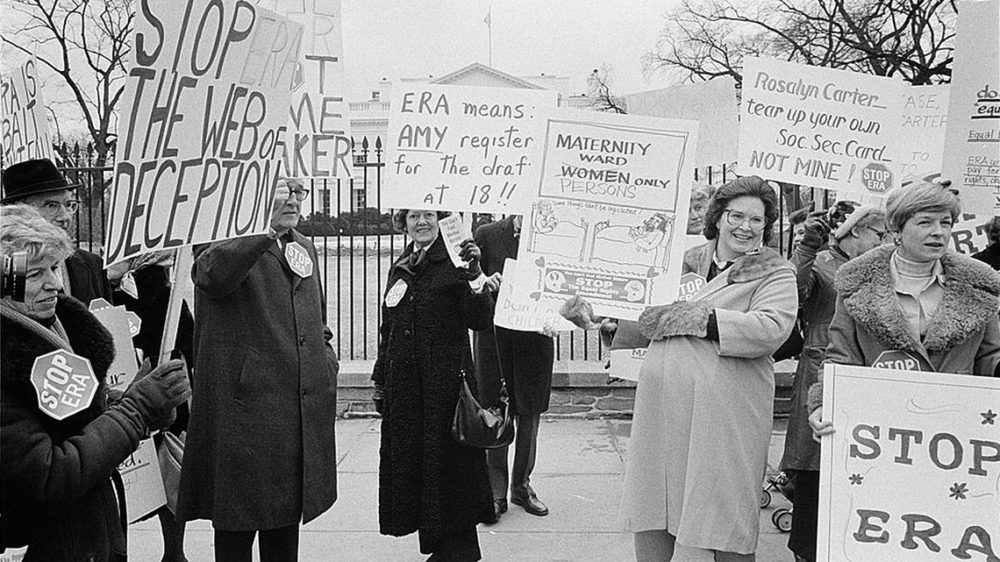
pixel 921 135
pixel 463 148
pixel 454 230
pixel 819 127
pixel 202 126
pixel 13 554
pixel 144 492
pixel 123 368
pixel 524 317
pixel 604 224
pixel 972 139
pixel 318 142
pixel 712 104
pixel 24 131
pixel 911 472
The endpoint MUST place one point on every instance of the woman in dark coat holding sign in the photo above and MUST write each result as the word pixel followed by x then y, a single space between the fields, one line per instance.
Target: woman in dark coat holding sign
pixel 427 482
pixel 57 463
pixel 916 302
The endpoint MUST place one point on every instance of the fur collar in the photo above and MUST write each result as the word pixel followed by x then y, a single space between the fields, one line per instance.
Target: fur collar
pixel 970 300
pixel 749 267
pixel 21 345
pixel 436 253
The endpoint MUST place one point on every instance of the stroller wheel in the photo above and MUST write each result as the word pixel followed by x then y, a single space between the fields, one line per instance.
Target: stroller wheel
pixel 782 519
pixel 765 498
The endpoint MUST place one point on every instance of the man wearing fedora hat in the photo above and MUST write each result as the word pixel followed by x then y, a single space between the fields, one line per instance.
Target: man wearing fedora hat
pixel 38 183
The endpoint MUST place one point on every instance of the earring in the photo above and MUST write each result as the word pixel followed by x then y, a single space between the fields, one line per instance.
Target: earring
pixel 896 239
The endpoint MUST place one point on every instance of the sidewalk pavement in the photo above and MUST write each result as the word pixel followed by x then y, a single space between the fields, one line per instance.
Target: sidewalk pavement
pixel 578 474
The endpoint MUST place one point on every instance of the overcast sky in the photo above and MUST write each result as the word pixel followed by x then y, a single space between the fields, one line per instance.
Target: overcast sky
pixel 393 39
pixel 416 38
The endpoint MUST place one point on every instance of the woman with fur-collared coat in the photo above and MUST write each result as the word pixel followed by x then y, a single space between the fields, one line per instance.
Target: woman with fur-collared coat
pixel 703 407
pixel 56 474
pixel 917 297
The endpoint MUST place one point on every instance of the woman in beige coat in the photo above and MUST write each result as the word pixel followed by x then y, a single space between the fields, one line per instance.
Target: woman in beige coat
pixel 703 406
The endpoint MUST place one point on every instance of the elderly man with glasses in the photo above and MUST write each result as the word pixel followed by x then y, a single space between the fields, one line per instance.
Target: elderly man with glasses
pixel 38 183
pixel 260 455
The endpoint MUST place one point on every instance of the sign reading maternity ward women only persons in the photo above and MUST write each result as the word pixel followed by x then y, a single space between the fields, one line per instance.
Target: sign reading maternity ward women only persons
pixel 609 215
pixel 913 469
pixel 820 127
pixel 24 132
pixel 972 142
pixel 463 148
pixel 318 142
pixel 202 126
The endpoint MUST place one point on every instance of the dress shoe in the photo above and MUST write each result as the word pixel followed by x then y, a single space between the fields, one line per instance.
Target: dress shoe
pixel 499 508
pixel 530 503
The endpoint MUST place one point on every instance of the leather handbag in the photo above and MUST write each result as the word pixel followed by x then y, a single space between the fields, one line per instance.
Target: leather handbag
pixel 478 427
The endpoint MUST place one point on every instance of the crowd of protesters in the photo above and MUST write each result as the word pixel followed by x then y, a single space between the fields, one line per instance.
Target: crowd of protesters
pixel 260 457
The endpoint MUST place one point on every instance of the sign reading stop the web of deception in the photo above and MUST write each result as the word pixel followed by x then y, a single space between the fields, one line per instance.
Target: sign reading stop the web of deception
pixel 64 383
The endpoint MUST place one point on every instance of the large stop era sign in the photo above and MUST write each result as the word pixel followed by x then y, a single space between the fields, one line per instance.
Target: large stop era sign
pixel 899 360
pixel 64 383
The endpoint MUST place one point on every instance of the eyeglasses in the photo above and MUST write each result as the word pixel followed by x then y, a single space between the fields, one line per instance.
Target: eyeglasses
pixel 300 193
pixel 53 207
pixel 737 218
pixel 881 233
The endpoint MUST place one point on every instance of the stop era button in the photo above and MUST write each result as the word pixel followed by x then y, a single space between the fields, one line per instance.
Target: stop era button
pixel 691 283
pixel 898 360
pixel 64 383
pixel 876 177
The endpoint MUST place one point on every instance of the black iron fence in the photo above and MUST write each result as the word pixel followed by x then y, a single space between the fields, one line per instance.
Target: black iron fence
pixel 355 254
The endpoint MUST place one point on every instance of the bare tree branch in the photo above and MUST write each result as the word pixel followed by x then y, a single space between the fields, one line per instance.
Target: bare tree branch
pixel 912 39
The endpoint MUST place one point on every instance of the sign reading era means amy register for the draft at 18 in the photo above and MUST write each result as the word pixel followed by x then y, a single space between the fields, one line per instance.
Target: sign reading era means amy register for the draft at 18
pixel 912 471
pixel 202 126
pixel 463 148
pixel 609 214
pixel 819 127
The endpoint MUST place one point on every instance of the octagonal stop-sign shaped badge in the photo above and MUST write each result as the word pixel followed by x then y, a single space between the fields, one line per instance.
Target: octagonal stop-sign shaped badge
pixel 898 360
pixel 64 383
pixel 876 177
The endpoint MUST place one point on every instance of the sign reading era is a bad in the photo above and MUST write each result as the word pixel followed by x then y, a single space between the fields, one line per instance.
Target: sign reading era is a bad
pixel 463 148
pixel 24 131
pixel 818 126
pixel 202 126
pixel 911 472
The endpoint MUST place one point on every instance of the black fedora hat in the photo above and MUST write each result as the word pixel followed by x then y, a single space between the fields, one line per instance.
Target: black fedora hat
pixel 32 177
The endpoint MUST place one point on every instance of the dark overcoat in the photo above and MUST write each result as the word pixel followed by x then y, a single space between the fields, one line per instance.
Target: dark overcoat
pixel 56 475
pixel 87 280
pixel 817 301
pixel 427 482
pixel 524 359
pixel 260 451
